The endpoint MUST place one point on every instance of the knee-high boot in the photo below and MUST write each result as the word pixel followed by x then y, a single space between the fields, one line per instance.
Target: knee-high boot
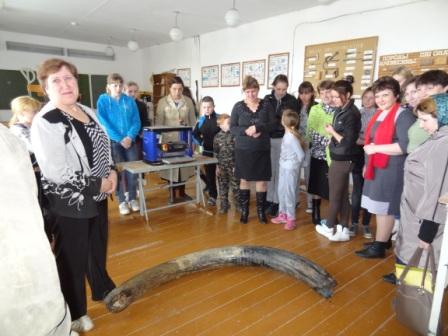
pixel 244 196
pixel 261 200
pixel 316 211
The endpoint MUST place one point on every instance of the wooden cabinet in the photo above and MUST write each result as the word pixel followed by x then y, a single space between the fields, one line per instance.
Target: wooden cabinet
pixel 160 86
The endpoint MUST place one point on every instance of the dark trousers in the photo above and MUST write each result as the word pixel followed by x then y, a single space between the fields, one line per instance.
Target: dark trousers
pixel 338 179
pixel 358 183
pixel 210 177
pixel 80 250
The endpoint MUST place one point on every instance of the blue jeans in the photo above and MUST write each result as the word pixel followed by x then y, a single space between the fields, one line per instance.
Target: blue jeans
pixel 126 180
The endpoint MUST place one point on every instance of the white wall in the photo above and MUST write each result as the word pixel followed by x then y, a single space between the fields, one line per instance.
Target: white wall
pixel 127 63
pixel 401 25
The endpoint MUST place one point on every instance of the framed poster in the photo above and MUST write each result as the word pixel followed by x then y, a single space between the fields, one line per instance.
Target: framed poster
pixel 336 60
pixel 230 74
pixel 278 64
pixel 185 74
pixel 210 76
pixel 418 62
pixel 255 69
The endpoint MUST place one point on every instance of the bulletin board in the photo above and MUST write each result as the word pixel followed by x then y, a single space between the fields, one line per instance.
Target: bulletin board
pixel 256 69
pixel 335 60
pixel 210 76
pixel 278 64
pixel 230 74
pixel 418 62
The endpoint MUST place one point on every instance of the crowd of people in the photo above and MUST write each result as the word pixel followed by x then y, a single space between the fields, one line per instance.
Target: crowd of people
pixel 393 148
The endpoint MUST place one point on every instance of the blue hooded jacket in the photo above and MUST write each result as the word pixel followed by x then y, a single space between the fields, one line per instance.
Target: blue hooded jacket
pixel 119 117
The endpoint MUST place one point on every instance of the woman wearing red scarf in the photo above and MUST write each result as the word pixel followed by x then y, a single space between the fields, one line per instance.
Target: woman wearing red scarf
pixel 386 140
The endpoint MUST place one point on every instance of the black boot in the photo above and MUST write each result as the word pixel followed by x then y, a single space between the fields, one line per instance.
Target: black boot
pixel 387 245
pixel 376 250
pixel 316 212
pixel 244 196
pixel 261 199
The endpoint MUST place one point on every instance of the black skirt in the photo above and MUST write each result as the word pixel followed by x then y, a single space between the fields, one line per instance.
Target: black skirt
pixel 253 165
pixel 318 183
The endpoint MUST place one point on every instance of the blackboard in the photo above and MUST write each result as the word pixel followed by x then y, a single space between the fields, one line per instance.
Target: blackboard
pixel 98 87
pixel 12 85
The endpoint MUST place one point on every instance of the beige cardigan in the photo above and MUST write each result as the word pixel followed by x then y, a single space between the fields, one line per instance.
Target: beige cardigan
pixel 169 115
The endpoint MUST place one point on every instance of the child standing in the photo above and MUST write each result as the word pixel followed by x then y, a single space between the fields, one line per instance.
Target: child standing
pixel 291 159
pixel 224 149
pixel 204 132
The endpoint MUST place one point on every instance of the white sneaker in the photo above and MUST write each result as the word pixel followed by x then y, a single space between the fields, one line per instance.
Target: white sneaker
pixel 124 209
pixel 341 234
pixel 83 324
pixel 134 205
pixel 73 333
pixel 324 230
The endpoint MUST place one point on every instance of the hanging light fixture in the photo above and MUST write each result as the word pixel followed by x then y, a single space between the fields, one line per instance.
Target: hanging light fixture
pixel 176 33
pixel 109 51
pixel 133 44
pixel 232 16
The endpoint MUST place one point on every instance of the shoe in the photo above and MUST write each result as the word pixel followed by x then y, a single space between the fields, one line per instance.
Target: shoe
pixel 309 210
pixel 280 219
pixel 274 210
pixel 374 251
pixel 387 245
pixel 390 278
pixel 83 324
pixel 290 224
pixel 211 201
pixel 324 230
pixel 244 203
pixel 341 234
pixel 353 230
pixel 134 205
pixel 73 333
pixel 366 232
pixel 124 209
pixel 261 199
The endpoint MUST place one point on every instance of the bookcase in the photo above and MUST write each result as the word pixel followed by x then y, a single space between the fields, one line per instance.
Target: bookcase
pixel 160 86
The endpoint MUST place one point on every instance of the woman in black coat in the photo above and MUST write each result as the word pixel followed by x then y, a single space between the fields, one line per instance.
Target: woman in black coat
pixel 251 122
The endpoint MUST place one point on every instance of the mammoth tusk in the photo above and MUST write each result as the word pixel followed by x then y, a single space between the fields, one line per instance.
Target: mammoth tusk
pixel 292 264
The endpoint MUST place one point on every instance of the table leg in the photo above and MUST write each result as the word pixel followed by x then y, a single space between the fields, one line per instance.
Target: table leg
pixel 142 199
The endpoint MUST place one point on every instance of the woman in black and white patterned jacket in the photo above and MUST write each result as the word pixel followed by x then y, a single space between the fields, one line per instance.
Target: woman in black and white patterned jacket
pixel 73 153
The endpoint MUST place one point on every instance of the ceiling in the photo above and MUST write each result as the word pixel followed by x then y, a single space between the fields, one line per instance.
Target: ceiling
pixel 147 21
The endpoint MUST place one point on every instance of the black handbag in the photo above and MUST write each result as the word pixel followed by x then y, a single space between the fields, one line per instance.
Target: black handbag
pixel 413 302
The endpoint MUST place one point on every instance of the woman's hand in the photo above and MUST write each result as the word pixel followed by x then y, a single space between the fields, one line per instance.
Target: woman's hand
pixel 251 130
pixel 126 142
pixel 256 135
pixel 106 185
pixel 370 149
pixel 113 179
pixel 423 245
pixel 329 129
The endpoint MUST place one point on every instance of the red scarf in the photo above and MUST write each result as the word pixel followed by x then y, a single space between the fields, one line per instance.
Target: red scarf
pixel 383 136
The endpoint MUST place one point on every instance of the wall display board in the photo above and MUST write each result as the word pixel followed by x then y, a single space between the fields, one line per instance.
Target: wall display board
pixel 256 69
pixel 210 76
pixel 278 64
pixel 230 74
pixel 418 62
pixel 185 74
pixel 335 60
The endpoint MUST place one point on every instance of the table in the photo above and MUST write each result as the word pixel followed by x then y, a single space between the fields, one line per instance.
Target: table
pixel 140 167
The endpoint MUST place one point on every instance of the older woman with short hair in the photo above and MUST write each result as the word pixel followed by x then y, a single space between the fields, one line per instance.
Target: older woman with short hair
pixel 73 153
pixel 251 122
pixel 386 142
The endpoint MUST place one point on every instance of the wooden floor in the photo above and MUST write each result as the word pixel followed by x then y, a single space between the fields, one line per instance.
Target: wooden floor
pixel 241 300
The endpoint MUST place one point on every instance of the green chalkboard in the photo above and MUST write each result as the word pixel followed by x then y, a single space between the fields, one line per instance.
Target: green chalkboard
pixel 84 89
pixel 12 85
pixel 98 87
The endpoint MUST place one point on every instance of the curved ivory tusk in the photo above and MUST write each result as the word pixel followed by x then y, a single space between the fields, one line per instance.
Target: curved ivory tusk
pixel 292 264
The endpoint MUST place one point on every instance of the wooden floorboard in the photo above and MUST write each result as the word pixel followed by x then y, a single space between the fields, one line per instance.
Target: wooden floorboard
pixel 241 300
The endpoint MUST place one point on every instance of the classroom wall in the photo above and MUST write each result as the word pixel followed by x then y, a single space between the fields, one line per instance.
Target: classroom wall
pixel 401 25
pixel 128 64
